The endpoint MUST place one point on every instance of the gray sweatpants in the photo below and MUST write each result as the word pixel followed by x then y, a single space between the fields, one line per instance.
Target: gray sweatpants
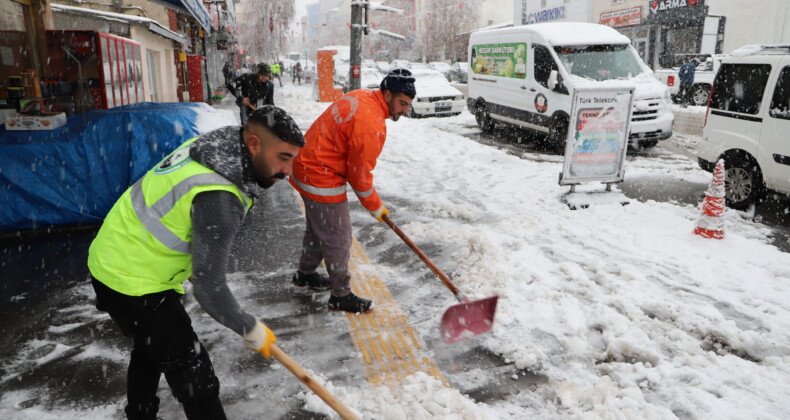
pixel 327 236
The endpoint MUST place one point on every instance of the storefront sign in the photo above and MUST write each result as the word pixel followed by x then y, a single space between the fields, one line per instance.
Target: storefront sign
pixel 657 6
pixel 620 18
pixel 545 15
pixel 504 60
pixel 597 135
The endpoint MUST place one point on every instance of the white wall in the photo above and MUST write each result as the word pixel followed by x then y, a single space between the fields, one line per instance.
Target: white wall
pixel 493 12
pixel 753 22
pixel 575 10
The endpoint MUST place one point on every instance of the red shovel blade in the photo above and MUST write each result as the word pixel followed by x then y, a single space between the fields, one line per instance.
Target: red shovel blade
pixel 468 319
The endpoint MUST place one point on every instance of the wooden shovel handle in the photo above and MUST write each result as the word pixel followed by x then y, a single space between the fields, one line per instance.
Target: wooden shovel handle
pixel 443 277
pixel 308 380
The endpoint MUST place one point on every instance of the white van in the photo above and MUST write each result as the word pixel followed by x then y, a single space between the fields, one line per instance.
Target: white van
pixel 525 76
pixel 748 122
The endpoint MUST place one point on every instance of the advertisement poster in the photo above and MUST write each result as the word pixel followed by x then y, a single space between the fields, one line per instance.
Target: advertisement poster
pixel 597 135
pixel 503 60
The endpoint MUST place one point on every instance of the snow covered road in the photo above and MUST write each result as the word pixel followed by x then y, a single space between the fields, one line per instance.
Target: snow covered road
pixel 611 312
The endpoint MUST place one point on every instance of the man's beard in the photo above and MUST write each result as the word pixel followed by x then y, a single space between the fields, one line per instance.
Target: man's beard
pixel 268 182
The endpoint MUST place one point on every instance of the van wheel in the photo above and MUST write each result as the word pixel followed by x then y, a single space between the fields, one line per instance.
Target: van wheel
pixel 483 119
pixel 648 144
pixel 700 94
pixel 743 183
pixel 558 134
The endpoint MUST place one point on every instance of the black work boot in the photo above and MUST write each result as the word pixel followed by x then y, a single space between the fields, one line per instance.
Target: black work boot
pixel 350 303
pixel 314 281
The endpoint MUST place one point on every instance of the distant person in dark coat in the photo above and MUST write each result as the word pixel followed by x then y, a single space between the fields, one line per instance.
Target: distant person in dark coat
pixel 227 73
pixel 254 90
pixel 686 75
pixel 297 73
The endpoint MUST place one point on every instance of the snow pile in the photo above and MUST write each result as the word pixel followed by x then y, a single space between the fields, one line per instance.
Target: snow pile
pixel 419 396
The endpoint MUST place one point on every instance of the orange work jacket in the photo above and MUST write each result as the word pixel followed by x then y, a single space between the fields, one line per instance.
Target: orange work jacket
pixel 342 147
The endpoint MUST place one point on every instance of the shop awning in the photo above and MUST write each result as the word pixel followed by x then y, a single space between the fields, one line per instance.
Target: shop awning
pixel 192 7
pixel 151 24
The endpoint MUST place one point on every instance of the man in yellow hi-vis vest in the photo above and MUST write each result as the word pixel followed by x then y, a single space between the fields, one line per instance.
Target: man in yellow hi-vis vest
pixel 179 222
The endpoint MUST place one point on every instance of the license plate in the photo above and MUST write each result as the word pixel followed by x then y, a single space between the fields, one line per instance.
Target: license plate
pixel 442 106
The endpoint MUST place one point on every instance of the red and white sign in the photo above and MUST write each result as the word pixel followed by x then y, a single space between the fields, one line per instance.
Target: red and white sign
pixel 662 5
pixel 355 72
pixel 620 18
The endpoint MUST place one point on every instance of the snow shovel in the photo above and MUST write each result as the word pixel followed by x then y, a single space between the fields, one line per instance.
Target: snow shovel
pixel 464 320
pixel 308 380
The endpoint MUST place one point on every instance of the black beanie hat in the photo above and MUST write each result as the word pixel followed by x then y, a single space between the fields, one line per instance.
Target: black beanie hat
pixel 279 122
pixel 400 80
pixel 264 70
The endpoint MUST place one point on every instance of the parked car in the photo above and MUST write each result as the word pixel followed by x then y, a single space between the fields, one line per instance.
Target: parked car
pixel 417 66
pixel 366 62
pixel 526 76
pixel 399 64
pixel 459 72
pixel 441 67
pixel 371 78
pixel 383 66
pixel 747 124
pixel 435 95
pixel 703 79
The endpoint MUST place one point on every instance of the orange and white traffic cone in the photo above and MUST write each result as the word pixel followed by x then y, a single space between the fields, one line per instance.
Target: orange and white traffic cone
pixel 711 222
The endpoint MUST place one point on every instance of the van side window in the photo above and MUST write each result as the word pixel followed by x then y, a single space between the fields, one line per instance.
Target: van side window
pixel 780 103
pixel 544 64
pixel 740 87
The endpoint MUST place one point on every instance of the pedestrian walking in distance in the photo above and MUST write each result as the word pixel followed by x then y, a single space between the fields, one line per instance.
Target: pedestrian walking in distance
pixel 343 145
pixel 179 222
pixel 686 76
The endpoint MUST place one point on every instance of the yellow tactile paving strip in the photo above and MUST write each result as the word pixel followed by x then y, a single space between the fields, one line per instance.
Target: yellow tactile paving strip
pixel 390 347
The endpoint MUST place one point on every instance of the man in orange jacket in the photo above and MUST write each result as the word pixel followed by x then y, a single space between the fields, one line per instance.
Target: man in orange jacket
pixel 343 145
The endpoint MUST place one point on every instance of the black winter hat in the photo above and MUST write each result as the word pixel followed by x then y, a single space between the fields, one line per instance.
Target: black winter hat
pixel 279 122
pixel 399 80
pixel 264 69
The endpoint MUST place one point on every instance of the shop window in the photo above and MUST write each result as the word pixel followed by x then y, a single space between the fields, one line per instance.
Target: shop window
pixel 152 57
pixel 780 103
pixel 138 73
pixel 108 73
pixel 18 53
pixel 131 89
pixel 740 87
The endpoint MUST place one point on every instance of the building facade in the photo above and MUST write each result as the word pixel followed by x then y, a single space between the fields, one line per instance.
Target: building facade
pixel 664 30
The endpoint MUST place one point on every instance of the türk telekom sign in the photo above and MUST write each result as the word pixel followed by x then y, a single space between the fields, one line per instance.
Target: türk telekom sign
pixel 658 6
pixel 620 18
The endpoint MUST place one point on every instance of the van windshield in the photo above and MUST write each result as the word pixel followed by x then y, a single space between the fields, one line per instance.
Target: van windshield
pixel 599 62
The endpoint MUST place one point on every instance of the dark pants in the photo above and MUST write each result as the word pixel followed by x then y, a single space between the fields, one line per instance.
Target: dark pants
pixel 164 342
pixel 327 236
pixel 685 93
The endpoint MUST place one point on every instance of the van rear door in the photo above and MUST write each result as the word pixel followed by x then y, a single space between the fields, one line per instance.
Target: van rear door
pixel 736 113
pixel 774 146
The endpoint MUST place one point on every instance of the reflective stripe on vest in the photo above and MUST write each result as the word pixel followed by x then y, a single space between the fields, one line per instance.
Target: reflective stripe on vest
pixel 150 216
pixel 326 192
pixel 363 194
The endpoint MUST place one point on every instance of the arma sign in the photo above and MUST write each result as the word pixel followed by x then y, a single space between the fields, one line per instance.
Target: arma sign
pixel 657 6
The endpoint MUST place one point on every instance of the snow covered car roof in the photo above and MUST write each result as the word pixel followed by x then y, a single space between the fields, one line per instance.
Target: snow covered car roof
pixel 432 83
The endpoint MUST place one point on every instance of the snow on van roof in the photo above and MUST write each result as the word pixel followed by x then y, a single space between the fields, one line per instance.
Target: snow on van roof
pixel 569 33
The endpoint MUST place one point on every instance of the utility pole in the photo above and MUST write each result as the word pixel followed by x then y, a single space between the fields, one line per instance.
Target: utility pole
pixel 358 9
pixel 359 26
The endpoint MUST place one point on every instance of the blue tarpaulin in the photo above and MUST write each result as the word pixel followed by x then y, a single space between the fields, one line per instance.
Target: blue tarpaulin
pixel 74 174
